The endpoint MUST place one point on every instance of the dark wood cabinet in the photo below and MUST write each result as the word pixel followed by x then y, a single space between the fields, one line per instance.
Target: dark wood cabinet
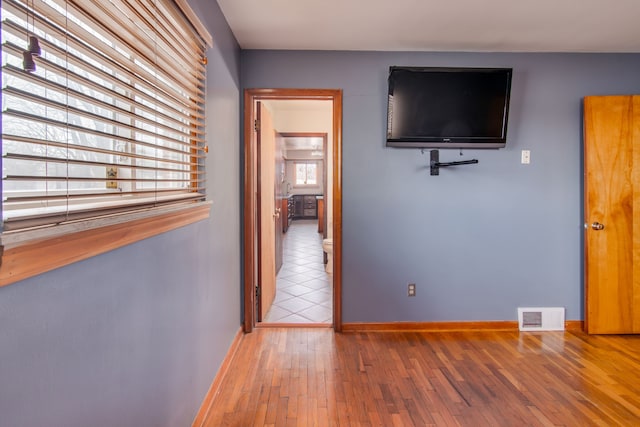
pixel 305 206
pixel 310 209
pixel 321 215
pixel 287 213
pixel 298 206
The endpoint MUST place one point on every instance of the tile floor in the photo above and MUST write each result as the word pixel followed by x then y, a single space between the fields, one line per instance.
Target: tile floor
pixel 304 291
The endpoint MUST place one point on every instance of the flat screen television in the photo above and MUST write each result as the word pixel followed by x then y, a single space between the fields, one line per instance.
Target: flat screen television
pixel 448 107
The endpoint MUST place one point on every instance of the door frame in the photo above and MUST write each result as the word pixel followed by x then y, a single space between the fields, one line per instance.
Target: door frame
pixel 257 304
pixel 250 203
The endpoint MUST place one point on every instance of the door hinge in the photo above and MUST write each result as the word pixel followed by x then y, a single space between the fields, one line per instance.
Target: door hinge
pixel 257 291
pixel 256 125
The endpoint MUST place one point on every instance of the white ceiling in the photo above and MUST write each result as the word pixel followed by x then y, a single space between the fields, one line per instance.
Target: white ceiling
pixel 304 106
pixel 437 25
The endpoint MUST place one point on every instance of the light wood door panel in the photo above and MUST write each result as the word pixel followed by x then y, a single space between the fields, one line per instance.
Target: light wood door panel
pixel 267 149
pixel 278 194
pixel 612 197
pixel 635 174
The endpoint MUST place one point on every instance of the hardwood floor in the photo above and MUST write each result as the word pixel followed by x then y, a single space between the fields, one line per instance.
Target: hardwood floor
pixel 314 377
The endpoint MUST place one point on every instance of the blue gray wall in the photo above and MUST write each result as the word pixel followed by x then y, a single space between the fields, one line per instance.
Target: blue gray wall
pixel 134 337
pixel 480 240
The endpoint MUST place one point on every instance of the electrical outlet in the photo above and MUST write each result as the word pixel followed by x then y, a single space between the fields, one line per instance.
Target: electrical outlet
pixel 526 157
pixel 411 290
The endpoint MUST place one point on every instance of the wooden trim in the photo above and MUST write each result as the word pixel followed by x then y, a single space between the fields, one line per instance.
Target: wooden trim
pixel 214 389
pixel 506 325
pixel 295 94
pixel 292 325
pixel 323 222
pixel 337 211
pixel 256 139
pixel 36 257
pixel 249 216
pixel 251 95
pixel 574 325
pixel 497 325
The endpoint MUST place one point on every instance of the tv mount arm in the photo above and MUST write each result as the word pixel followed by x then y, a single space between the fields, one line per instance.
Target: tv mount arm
pixel 436 165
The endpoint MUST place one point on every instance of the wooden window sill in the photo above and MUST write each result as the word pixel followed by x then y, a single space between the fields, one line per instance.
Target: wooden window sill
pixel 35 256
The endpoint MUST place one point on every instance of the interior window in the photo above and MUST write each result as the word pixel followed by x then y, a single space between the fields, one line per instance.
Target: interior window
pixel 306 173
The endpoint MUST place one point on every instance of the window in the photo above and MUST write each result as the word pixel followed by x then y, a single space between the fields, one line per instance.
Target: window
pixel 306 173
pixel 112 118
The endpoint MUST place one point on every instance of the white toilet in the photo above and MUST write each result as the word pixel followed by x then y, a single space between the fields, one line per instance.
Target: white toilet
pixel 327 246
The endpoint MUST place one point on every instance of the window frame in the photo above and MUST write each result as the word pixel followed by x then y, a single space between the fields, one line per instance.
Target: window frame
pixel 306 163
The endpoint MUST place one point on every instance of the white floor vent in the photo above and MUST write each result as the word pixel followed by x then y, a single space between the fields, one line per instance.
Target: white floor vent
pixel 541 318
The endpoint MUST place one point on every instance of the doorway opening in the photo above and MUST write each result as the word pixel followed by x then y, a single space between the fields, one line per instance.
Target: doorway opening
pixel 270 184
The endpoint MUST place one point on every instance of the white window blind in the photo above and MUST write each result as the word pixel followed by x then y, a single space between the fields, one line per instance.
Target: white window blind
pixel 112 118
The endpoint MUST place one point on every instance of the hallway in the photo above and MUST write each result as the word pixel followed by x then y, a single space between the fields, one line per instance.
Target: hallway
pixel 303 289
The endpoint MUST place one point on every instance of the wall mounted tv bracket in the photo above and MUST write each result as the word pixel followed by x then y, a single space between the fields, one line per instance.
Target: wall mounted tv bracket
pixel 436 165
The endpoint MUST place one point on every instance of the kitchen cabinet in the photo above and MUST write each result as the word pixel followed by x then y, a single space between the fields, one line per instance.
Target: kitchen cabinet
pixel 305 206
pixel 310 209
pixel 287 212
pixel 320 215
pixel 298 209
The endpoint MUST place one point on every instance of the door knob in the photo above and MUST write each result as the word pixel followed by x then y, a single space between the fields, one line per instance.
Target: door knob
pixel 597 226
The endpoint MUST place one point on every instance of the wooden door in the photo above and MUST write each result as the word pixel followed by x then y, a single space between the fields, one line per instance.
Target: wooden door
pixel 267 207
pixel 325 188
pixel 612 214
pixel 278 194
